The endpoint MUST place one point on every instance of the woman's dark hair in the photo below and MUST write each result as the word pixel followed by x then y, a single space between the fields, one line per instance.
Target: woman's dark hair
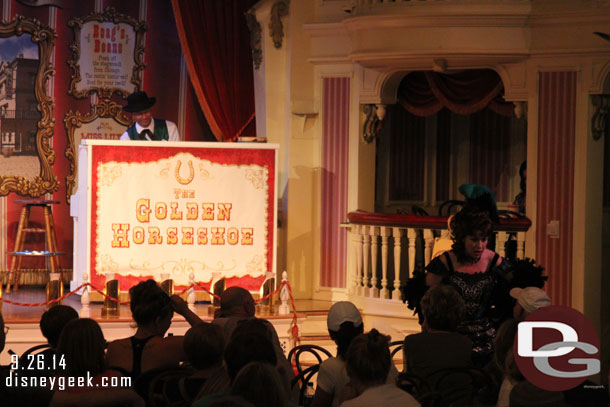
pixel 82 344
pixel 467 222
pixel 368 359
pixel 443 308
pixel 204 345
pixel 244 348
pixel 53 321
pixel 149 301
pixel 260 384
pixel 344 336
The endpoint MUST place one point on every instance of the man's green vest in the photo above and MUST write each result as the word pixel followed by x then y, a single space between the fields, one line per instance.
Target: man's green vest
pixel 159 134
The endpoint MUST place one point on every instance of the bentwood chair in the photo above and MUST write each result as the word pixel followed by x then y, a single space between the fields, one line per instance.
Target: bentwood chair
pixel 318 352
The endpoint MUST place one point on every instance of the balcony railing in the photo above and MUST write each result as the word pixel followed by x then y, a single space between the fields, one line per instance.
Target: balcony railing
pixel 385 249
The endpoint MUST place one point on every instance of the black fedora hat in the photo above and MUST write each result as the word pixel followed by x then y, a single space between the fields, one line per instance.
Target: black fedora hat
pixel 139 101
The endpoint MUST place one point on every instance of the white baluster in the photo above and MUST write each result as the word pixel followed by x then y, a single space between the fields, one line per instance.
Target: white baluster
pixel 397 233
pixel 359 250
pixel 366 252
pixel 428 245
pixel 412 237
pixel 520 245
pixel 353 253
pixel 191 297
pixel 384 293
pixel 501 238
pixel 374 234
pixel 85 311
pixel 284 309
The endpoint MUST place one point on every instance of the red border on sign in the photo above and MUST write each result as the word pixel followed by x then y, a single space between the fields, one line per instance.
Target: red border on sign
pixel 236 156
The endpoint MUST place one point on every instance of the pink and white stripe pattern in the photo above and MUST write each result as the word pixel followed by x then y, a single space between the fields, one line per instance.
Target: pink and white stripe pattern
pixel 335 153
pixel 555 201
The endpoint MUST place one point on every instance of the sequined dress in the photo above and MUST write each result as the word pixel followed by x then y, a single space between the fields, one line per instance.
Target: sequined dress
pixel 477 290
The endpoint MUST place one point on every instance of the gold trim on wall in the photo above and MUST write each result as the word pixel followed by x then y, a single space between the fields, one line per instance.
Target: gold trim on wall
pixel 74 120
pixel 108 15
pixel 44 36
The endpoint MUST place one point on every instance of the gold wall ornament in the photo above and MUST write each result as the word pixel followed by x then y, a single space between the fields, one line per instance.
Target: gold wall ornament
pixel 46 181
pixel 600 117
pixel 109 15
pixel 189 179
pixel 276 28
pixel 372 122
pixel 255 38
pixel 74 121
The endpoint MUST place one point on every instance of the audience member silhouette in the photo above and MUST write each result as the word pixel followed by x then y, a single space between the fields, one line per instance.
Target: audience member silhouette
pixel 438 346
pixel 368 364
pixel 152 310
pixel 344 323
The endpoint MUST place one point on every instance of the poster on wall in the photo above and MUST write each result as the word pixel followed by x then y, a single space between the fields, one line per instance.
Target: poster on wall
pixel 105 121
pixel 26 111
pixel 108 52
pixel 178 209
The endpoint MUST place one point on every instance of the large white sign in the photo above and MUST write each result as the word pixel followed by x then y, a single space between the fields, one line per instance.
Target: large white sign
pixel 160 208
pixel 182 215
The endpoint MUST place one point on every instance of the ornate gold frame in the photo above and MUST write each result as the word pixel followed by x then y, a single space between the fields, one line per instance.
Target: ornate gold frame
pixel 72 121
pixel 108 15
pixel 45 38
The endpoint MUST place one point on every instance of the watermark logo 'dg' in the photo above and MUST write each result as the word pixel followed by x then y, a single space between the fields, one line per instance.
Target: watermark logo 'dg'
pixel 557 348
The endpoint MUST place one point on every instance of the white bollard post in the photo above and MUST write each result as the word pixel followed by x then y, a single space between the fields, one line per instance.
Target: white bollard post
pixel 85 311
pixel 284 309
pixel 191 297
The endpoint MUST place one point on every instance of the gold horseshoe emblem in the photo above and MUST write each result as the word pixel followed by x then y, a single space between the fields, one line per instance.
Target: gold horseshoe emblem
pixel 185 181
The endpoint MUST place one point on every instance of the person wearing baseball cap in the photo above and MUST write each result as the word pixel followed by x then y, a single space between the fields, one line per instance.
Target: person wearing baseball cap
pixel 144 126
pixel 529 299
pixel 344 323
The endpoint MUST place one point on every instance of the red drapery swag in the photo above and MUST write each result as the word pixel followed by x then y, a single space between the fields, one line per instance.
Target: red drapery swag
pixel 216 46
pixel 466 92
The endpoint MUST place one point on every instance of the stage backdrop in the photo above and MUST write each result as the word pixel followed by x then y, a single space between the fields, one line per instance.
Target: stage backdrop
pixel 147 209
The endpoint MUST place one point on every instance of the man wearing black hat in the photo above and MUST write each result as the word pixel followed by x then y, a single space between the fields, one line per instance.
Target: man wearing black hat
pixel 144 126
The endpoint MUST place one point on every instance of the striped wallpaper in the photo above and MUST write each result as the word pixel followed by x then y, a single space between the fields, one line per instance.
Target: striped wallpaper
pixel 490 152
pixel 556 133
pixel 335 151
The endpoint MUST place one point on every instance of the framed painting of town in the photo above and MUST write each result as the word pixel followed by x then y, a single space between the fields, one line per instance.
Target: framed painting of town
pixel 26 111
pixel 106 121
pixel 107 54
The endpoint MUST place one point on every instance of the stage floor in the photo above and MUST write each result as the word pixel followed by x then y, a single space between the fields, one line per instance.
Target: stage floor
pixel 31 314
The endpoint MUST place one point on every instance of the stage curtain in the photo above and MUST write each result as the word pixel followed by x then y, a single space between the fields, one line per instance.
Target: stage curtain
pixel 216 45
pixel 466 92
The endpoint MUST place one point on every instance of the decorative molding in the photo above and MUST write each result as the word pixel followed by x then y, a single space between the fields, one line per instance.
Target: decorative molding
pixel 276 28
pixel 108 15
pixel 72 121
pixel 520 109
pixel 255 38
pixel 45 38
pixel 373 123
pixel 600 117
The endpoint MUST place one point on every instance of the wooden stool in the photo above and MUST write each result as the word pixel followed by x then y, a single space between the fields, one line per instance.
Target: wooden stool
pixel 20 240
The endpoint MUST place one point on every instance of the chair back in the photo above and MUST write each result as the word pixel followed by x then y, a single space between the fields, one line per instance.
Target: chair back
pixel 318 352
pixel 463 386
pixel 419 388
pixel 450 207
pixel 418 210
pixel 302 379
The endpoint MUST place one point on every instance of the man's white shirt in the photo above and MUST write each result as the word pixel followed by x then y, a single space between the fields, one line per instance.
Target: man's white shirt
pixel 172 131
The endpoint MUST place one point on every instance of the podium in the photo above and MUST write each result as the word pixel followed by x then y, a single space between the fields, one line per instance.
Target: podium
pixel 142 209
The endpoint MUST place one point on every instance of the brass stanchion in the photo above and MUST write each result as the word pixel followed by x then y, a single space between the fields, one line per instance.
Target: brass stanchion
pixel 55 289
pixel 167 284
pixel 111 308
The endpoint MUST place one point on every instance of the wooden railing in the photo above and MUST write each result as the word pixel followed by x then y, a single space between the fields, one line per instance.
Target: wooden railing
pixel 385 249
